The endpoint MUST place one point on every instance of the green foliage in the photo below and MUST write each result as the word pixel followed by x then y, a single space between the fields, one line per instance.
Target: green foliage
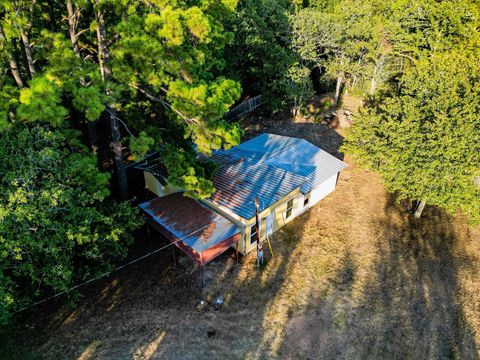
pixel 425 141
pixel 71 74
pixel 341 43
pixel 42 101
pixel 56 225
pixel 8 102
pixel 189 39
pixel 260 55
pixel 425 26
pixel 419 54
pixel 89 100
pixel 368 45
pixel 215 134
pixel 185 173
pixel 298 84
pixel 204 101
pixel 141 144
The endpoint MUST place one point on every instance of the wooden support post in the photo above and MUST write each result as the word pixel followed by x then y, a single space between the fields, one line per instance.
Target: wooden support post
pixel 270 247
pixel 236 253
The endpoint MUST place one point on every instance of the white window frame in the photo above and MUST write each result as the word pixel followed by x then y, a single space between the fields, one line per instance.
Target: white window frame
pixel 253 234
pixel 290 208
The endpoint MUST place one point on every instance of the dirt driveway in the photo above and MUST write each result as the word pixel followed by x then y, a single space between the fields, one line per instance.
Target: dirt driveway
pixel 353 278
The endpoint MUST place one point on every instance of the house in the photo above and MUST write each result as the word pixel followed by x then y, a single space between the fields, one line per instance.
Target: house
pixel 287 175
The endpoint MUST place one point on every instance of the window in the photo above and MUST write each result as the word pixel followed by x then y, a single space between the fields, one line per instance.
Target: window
pixel 306 200
pixel 289 208
pixel 253 234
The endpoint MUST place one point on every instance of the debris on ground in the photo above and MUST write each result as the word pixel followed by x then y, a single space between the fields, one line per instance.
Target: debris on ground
pixel 217 304
pixel 211 332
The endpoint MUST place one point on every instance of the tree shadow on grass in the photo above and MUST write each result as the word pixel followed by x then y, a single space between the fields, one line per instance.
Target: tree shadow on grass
pixel 318 134
pixel 407 305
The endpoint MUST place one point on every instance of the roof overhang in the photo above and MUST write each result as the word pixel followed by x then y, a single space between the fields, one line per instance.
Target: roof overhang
pixel 198 231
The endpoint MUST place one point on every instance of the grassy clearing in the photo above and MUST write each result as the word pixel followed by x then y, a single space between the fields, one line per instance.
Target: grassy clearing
pixel 353 278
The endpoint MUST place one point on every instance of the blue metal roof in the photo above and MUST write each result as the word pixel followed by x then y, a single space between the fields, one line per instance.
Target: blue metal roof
pixel 270 167
pixel 238 182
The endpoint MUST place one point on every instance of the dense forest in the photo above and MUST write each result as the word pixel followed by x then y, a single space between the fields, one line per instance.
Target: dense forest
pixel 89 86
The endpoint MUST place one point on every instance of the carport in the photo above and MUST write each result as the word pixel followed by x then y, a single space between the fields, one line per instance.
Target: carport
pixel 192 227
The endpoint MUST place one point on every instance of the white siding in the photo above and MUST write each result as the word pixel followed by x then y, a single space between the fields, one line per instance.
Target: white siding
pixel 300 209
pixel 316 194
pixel 323 190
pixel 155 186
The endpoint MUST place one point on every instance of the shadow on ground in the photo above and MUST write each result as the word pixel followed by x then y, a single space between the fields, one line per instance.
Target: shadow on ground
pixel 406 306
pixel 318 134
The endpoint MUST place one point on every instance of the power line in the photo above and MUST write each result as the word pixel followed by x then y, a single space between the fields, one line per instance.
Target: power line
pixel 110 272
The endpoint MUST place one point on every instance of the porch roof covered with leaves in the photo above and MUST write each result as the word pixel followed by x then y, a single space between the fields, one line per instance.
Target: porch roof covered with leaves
pixel 195 229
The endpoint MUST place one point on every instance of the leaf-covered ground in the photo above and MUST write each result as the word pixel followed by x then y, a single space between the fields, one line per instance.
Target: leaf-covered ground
pixel 353 278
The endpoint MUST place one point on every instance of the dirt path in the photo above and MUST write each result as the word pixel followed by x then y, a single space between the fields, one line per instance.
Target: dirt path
pixel 352 278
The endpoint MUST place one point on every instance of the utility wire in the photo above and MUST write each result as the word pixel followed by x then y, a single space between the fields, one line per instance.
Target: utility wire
pixel 111 271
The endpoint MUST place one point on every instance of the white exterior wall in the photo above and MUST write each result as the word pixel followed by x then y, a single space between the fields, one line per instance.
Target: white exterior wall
pixel 278 210
pixel 317 194
pixel 155 186
pixel 323 190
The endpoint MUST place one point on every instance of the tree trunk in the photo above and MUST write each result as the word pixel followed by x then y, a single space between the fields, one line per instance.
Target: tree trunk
pixel 117 150
pixel 337 89
pixel 103 57
pixel 354 80
pixel 28 53
pixel 72 27
pixel 103 52
pixel 15 72
pixel 25 37
pixel 373 87
pixel 419 209
pixel 14 69
pixel 93 135
pixel 295 108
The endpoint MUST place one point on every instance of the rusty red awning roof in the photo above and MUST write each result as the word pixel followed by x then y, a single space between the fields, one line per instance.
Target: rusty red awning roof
pixel 197 230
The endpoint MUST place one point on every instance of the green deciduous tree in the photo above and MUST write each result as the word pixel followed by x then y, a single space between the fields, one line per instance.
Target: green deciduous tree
pixel 56 225
pixel 376 41
pixel 339 42
pixel 425 142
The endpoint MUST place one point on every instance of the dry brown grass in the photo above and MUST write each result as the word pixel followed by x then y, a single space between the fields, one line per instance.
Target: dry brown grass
pixel 353 278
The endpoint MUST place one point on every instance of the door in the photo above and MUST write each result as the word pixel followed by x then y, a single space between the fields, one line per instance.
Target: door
pixel 269 224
